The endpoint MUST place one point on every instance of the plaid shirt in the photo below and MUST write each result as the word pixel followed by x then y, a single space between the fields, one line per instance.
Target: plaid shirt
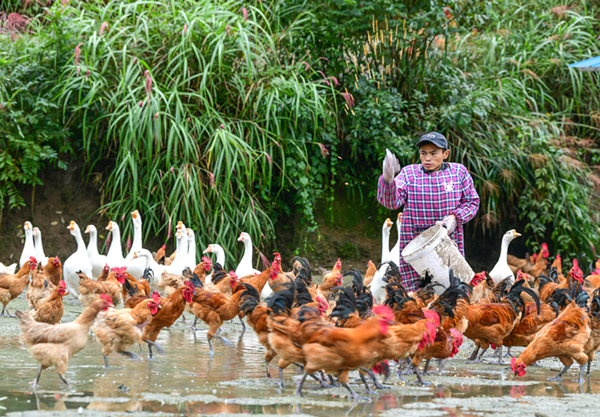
pixel 427 198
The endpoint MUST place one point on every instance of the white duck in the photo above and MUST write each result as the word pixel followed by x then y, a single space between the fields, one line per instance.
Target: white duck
pixel 395 251
pixel 191 253
pixel 29 248
pixel 39 248
pixel 378 285
pixel 220 253
pixel 98 261
pixel 245 268
pixel 502 270
pixel 136 219
pixel 77 262
pixel 156 268
pixel 178 264
pixel 114 257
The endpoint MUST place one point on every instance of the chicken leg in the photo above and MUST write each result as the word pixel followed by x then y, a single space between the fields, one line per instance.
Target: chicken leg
pixel 581 379
pixel 364 381
pixel 64 380
pixel 419 380
pixel 558 377
pixel 281 378
pixel 35 385
pixel 374 378
pixel 474 354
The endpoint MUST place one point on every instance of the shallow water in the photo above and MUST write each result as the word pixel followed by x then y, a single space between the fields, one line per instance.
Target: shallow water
pixel 187 381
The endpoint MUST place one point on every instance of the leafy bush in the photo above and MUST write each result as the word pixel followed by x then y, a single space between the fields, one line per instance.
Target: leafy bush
pixel 30 129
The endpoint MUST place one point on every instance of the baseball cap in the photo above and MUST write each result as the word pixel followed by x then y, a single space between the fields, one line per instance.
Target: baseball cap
pixel 435 138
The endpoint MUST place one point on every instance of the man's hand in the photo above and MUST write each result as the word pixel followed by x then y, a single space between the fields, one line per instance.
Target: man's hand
pixel 449 222
pixel 391 165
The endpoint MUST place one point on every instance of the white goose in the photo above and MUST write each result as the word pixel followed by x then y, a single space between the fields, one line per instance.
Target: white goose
pixel 114 257
pixel 178 264
pixel 8 269
pixel 395 251
pixel 39 248
pixel 502 270
pixel 136 219
pixel 29 248
pixel 98 261
pixel 77 262
pixel 191 253
pixel 245 268
pixel 378 285
pixel 220 253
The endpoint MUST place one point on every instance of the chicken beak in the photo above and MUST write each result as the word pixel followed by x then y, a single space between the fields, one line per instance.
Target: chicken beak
pixel 207 250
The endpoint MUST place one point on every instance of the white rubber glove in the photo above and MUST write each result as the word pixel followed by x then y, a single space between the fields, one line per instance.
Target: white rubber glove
pixel 449 222
pixel 391 166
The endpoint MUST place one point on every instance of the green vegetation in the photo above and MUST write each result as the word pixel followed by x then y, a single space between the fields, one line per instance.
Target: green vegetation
pixel 231 115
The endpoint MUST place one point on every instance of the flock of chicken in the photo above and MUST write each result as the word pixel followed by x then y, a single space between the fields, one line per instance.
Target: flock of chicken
pixel 327 329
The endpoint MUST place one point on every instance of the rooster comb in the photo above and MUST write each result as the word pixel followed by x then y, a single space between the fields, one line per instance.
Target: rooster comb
pixel 455 333
pixel 206 259
pixel 432 315
pixel 384 311
pixel 156 297
pixel 63 284
pixel 106 298
pixel 120 270
pixel 32 259
pixel 189 285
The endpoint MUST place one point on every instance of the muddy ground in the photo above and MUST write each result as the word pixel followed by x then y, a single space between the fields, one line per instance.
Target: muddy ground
pixel 187 381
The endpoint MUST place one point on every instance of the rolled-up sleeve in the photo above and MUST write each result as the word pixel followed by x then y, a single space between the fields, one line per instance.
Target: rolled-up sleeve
pixel 393 195
pixel 469 202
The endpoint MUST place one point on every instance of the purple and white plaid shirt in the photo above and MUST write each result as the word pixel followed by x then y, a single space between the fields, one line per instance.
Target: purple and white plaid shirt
pixel 429 197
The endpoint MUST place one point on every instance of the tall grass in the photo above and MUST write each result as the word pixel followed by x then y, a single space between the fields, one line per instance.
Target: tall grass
pixel 196 105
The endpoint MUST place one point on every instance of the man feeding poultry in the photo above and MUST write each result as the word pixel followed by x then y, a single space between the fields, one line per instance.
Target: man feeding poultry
pixel 433 192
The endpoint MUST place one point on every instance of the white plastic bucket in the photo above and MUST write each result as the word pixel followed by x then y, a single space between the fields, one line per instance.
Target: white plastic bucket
pixel 435 252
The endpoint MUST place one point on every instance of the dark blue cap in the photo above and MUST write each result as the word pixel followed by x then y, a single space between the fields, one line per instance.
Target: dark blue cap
pixel 435 138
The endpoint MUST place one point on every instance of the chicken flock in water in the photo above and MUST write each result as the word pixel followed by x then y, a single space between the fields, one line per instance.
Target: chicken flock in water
pixel 328 329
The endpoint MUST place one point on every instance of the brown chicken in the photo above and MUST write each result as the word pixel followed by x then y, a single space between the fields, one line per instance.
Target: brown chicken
pixel 89 289
pixel 160 254
pixel 370 273
pixel 541 262
pixel 52 273
pixel 340 350
pixel 593 343
pixel 447 340
pixel 171 308
pixel 214 308
pixel 50 309
pixel 115 330
pixel 256 314
pixel 565 337
pixel 482 286
pixel 104 274
pixel 492 322
pixel 12 285
pixel 54 344
pixel 331 280
pixel 525 264
pixel 39 287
